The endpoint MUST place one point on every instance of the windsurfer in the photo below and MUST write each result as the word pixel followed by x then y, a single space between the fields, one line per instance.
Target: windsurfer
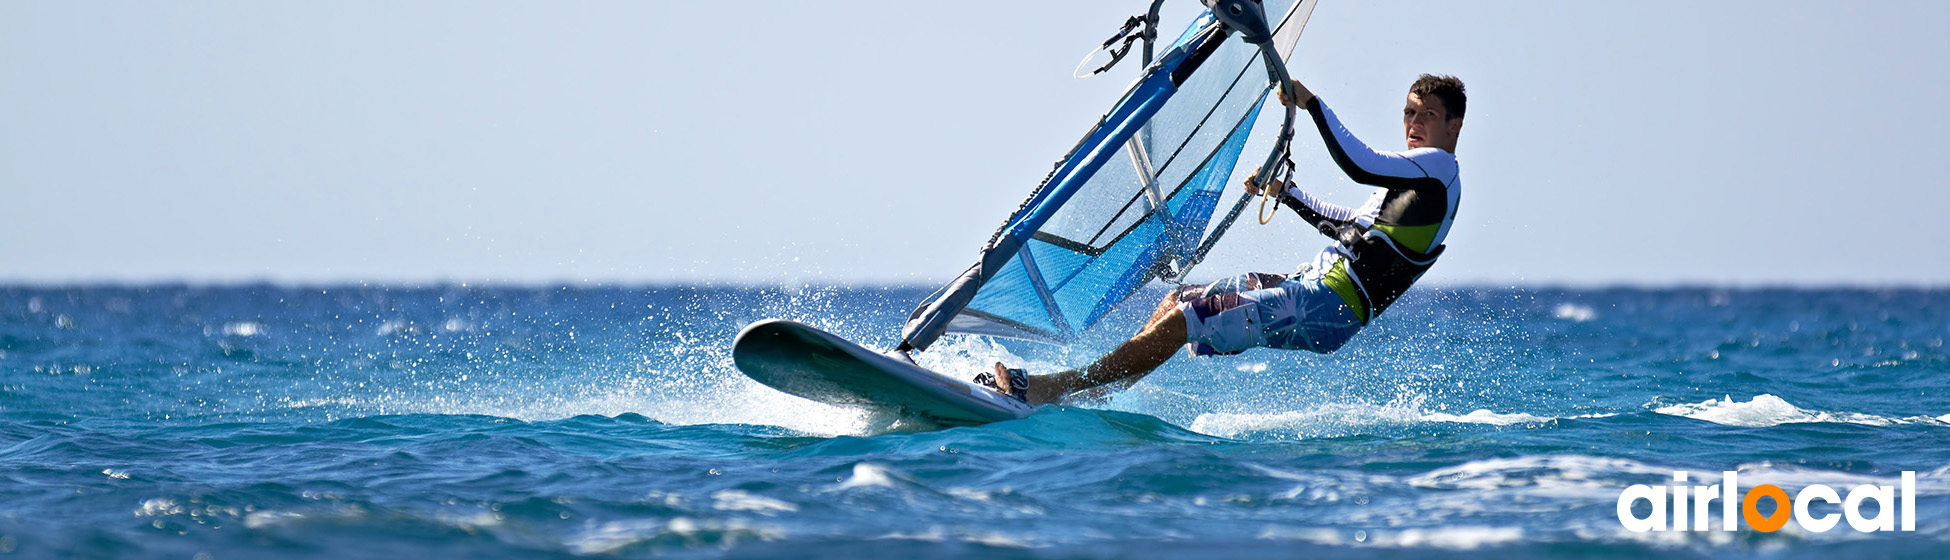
pixel 1379 249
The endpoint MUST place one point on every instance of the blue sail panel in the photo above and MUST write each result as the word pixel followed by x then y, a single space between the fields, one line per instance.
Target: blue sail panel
pixel 1008 305
pixel 1194 205
pixel 1060 266
pixel 1130 262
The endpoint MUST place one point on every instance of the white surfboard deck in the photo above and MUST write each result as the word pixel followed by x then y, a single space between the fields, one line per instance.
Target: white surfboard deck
pixel 819 366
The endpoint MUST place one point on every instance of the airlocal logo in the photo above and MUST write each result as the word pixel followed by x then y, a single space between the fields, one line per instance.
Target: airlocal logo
pixel 1888 506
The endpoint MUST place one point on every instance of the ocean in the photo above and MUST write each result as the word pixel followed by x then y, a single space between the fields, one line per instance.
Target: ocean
pixel 461 421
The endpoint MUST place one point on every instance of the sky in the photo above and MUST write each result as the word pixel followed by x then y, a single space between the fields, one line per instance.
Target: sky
pixel 1607 143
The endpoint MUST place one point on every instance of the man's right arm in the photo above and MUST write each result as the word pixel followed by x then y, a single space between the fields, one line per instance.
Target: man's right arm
pixel 1325 216
pixel 1329 218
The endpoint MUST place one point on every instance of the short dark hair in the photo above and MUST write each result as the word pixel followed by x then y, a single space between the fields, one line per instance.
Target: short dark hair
pixel 1445 87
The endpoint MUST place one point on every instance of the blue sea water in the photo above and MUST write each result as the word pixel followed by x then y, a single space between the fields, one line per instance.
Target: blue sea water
pixel 467 422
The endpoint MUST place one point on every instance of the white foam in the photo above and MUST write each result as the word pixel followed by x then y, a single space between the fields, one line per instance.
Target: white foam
pixel 732 499
pixel 1768 410
pixel 1453 538
pixel 1485 416
pixel 1450 538
pixel 267 518
pixel 1574 313
pixel 1543 472
pixel 1316 535
pixel 468 520
pixel 939 534
pixel 867 475
pixel 741 400
pixel 1323 421
pixel 616 535
pixel 1336 419
pixel 693 533
pixel 157 507
pixel 970 355
pixel 244 329
pixel 1552 474
pixel 707 397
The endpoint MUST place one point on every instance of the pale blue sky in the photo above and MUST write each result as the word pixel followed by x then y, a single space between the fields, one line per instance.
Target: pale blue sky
pixel 1661 143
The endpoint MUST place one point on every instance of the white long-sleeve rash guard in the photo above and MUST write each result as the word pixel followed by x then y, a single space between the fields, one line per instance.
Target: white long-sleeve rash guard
pixel 1413 208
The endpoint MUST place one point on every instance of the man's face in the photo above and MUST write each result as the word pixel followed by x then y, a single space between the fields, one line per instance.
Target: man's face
pixel 1428 125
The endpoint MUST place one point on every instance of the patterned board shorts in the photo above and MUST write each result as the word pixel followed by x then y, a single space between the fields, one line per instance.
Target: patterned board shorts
pixel 1257 309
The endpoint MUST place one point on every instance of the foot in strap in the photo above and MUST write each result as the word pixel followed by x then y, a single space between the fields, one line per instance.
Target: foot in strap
pixel 1013 382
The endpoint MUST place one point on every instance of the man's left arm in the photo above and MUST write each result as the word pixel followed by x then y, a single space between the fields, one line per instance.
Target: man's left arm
pixel 1364 164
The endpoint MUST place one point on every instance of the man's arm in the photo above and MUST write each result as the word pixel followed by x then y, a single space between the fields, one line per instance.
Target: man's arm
pixel 1361 163
pixel 1325 216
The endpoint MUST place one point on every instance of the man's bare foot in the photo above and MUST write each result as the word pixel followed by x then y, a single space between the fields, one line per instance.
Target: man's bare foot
pixel 1011 382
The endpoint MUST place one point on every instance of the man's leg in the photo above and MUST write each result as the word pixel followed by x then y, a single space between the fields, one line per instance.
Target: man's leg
pixel 1172 300
pixel 1129 362
pixel 1161 337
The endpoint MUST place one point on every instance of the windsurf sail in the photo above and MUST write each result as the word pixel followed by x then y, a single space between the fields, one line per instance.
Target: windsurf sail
pixel 1134 200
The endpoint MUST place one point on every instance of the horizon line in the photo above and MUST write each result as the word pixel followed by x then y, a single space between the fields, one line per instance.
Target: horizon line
pixel 1677 285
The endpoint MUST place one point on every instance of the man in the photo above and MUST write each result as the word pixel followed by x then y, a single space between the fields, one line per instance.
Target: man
pixel 1380 248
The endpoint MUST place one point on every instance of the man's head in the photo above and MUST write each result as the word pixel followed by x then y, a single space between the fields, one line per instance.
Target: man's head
pixel 1433 117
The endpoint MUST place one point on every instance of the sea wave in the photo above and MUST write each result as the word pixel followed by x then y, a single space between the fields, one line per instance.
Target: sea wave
pixel 1449 538
pixel 1768 410
pixel 1337 419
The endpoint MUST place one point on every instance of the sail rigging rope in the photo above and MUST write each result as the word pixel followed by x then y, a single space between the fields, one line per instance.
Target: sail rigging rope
pixel 1118 53
pixel 1284 179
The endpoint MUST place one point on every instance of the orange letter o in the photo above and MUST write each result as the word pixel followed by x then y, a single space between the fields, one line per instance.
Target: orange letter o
pixel 1749 508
